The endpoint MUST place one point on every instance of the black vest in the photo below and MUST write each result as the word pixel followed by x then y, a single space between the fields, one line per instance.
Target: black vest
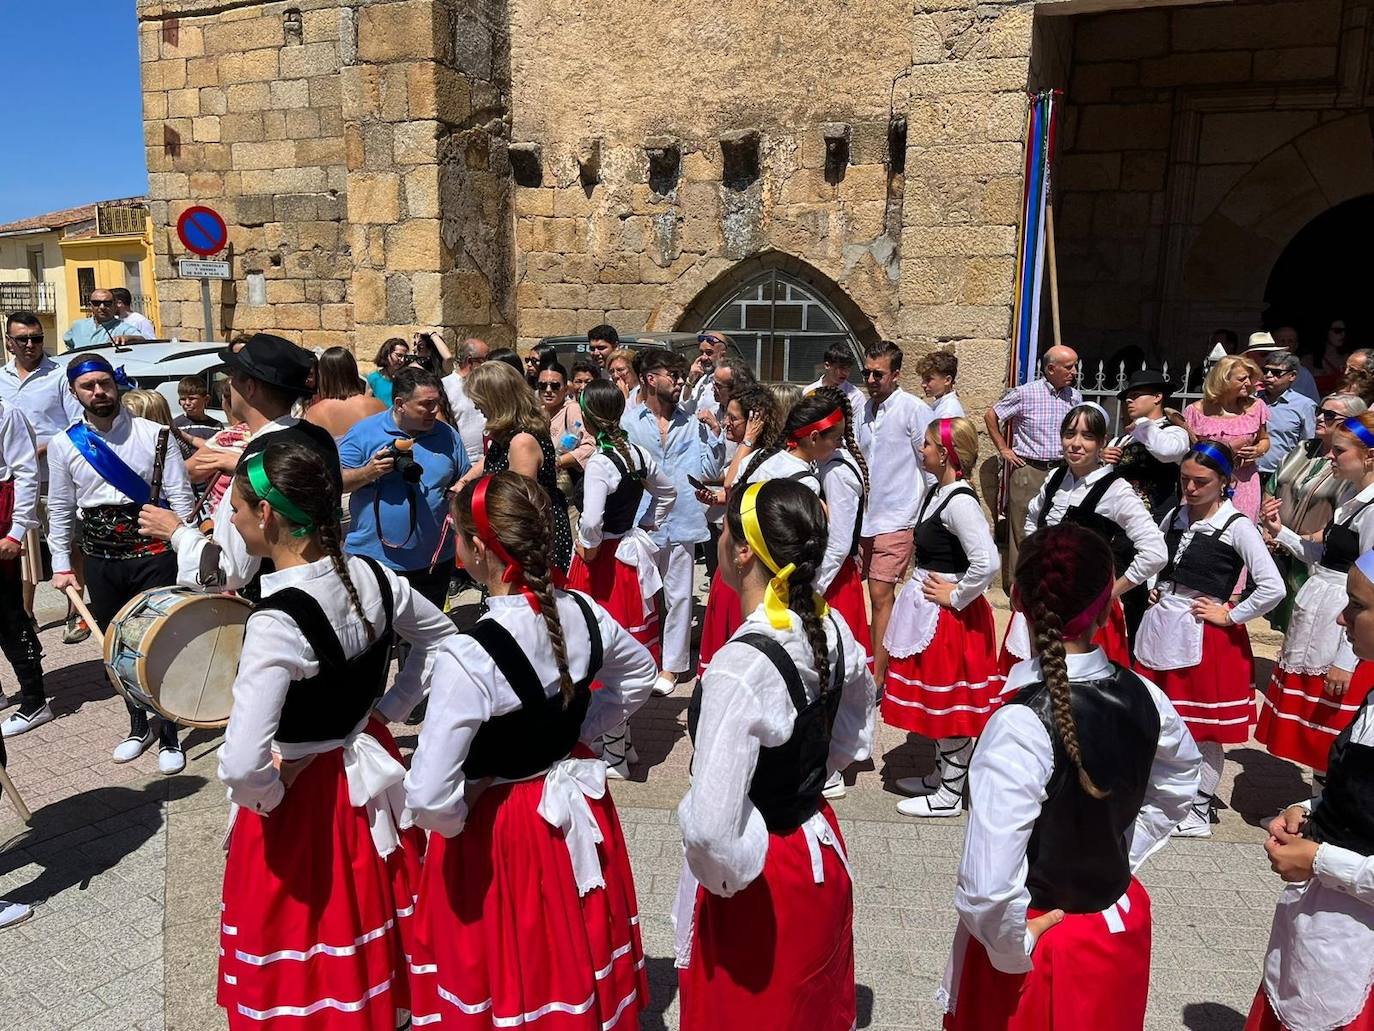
pixel 622 504
pixel 1345 815
pixel 937 548
pixel 1155 480
pixel 330 704
pixel 1078 854
pixel 1207 565
pixel 789 778
pixel 520 744
pixel 1341 544
pixel 1085 514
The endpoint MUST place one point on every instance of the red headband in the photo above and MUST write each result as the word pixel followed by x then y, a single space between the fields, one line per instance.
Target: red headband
pixel 515 572
pixel 819 426
pixel 947 442
pixel 1081 622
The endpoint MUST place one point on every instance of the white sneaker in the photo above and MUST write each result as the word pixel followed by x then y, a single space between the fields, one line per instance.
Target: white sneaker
pixel 12 913
pixel 132 747
pixel 665 684
pixel 17 723
pixel 939 803
pixel 918 785
pixel 835 786
pixel 1194 825
pixel 170 761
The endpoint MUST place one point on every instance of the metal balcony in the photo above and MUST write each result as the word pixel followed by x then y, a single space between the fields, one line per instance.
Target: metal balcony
pixel 120 220
pixel 40 298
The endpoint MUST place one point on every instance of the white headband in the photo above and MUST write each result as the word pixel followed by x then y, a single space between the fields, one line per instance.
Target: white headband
pixel 1094 404
pixel 1365 564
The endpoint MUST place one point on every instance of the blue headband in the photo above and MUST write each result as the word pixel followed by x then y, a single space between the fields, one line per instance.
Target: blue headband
pixel 1358 429
pixel 75 370
pixel 1365 564
pixel 1213 452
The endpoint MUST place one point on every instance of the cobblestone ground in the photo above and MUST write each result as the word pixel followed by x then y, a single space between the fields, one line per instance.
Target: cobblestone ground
pixel 125 867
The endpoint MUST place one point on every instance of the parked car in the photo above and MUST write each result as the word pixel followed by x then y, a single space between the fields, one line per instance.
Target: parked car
pixel 161 364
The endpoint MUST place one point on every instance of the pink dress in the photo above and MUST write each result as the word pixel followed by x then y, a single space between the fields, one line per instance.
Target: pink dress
pixel 1235 432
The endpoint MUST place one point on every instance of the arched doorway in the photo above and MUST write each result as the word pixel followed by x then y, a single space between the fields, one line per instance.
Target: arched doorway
pixel 1324 275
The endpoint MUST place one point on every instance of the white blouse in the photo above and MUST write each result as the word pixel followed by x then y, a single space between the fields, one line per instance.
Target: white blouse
pixel 467 690
pixel 964 518
pixel 1242 536
pixel 1164 440
pixel 275 653
pixel 786 465
pixel 602 478
pixel 1360 504
pixel 745 707
pixel 1121 505
pixel 842 487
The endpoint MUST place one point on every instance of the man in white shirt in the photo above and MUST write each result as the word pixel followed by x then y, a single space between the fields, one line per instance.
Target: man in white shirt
pixel 124 303
pixel 18 633
pixel 836 370
pixel 891 428
pixel 471 423
pixel 938 371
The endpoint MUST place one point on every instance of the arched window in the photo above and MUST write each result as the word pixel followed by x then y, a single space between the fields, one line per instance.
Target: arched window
pixel 782 326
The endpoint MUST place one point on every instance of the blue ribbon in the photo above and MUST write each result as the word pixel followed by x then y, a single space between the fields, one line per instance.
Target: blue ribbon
pixel 108 464
pixel 1359 430
pixel 1203 447
pixel 75 370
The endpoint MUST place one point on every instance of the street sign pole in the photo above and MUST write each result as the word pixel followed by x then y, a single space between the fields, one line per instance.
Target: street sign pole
pixel 202 231
pixel 205 304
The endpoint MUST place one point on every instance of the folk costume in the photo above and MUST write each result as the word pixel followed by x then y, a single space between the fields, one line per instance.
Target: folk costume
pixel 764 913
pixel 842 488
pixel 1037 841
pixel 321 877
pixel 527 912
pixel 19 488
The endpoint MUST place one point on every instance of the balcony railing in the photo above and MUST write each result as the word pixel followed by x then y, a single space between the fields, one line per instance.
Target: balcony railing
pixel 35 297
pixel 120 220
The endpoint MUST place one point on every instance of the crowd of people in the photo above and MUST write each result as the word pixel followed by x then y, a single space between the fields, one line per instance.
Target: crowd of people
pixel 486 882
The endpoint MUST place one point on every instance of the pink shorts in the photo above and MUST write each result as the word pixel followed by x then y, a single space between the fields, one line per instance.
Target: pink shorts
pixel 885 557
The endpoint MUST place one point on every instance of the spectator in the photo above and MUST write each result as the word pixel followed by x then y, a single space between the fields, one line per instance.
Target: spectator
pixel 583 372
pixel 571 442
pixel 1359 360
pixel 836 368
pixel 391 357
pixel 18 630
pixel 341 397
pixel 1221 343
pixel 509 357
pixel 601 341
pixel 147 404
pixel 1034 412
pixel 211 468
pixel 622 368
pixel 1292 416
pixel 104 328
pixel 1327 362
pixel 124 303
pixel 193 425
pixel 467 420
pixel 938 371
pixel 399 465
pixel 1229 414
pixel 431 352
pixel 1285 338
pixel 697 393
pixel 540 356
pixel 731 376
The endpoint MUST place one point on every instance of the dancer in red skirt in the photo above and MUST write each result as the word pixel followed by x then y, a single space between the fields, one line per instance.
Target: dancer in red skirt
pixel 1191 641
pixel 1320 965
pixel 1318 685
pixel 623 575
pixel 527 915
pixel 320 880
pixel 942 677
pixel 765 906
pixel 1078 778
pixel 1089 493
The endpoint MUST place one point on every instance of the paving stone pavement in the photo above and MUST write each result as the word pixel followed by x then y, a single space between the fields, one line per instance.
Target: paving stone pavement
pixel 127 866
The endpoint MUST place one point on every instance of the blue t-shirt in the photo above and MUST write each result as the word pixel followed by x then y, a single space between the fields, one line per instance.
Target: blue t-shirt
pixel 381 386
pixel 442 460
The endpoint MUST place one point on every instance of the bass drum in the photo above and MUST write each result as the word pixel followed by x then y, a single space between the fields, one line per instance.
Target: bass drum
pixel 176 652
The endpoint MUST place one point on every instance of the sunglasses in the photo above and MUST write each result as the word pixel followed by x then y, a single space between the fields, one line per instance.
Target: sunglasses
pixel 1326 415
pixel 101 304
pixel 676 377
pixel 550 385
pixel 708 338
pixel 36 338
pixel 873 374
pixel 1275 372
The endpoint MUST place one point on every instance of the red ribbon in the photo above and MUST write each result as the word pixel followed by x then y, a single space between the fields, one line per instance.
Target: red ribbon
pixel 515 572
pixel 1076 626
pixel 947 442
pixel 819 426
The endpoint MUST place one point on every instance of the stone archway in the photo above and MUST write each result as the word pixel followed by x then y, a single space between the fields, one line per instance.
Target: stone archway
pixel 1324 274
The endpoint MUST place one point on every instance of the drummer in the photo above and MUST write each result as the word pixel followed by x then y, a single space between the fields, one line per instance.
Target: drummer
pixel 104 466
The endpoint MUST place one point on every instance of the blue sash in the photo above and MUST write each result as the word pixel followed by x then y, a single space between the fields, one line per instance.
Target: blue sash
pixel 108 464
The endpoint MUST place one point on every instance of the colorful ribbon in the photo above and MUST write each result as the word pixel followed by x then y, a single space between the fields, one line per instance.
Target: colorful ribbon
pixel 1359 430
pixel 1203 447
pixel 775 597
pixel 1081 622
pixel 75 370
pixel 819 426
pixel 263 488
pixel 947 442
pixel 515 572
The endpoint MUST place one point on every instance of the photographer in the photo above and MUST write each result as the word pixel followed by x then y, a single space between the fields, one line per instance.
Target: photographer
pixel 399 465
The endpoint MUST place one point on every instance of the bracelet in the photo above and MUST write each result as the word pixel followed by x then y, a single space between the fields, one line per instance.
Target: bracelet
pixel 746 442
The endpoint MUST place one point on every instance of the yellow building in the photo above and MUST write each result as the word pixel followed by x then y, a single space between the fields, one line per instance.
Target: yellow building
pixel 49 264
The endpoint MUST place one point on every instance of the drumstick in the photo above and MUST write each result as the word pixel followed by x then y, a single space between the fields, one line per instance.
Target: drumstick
pixel 159 460
pixel 79 603
pixel 8 786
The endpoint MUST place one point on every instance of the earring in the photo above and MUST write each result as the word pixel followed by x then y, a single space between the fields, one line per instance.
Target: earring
pixel 262 526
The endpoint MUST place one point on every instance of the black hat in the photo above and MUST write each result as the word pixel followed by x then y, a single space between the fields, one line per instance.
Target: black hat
pixel 1146 378
pixel 275 361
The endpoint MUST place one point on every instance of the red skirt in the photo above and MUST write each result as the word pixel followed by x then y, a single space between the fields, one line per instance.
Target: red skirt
pixel 1111 639
pixel 1298 720
pixel 504 940
pixel 723 618
pixel 614 585
pixel 780 953
pixel 846 596
pixel 1216 698
pixel 315 925
pixel 950 688
pixel 1087 976
pixel 1263 1018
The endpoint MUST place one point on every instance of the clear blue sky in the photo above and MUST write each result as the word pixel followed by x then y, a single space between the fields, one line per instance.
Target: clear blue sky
pixel 73 112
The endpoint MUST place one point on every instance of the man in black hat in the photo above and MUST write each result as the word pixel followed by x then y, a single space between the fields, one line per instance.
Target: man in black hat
pixel 267 376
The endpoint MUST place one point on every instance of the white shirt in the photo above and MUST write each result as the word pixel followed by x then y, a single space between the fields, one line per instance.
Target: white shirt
pixel 471 423
pixel 1007 780
pixel 73 482
pixel 1246 541
pixel 45 399
pixel 946 406
pixel 890 436
pixel 18 462
pixel 745 707
pixel 1164 440
pixel 855 395
pixel 1357 507
pixel 700 395
pixel 842 487
pixel 140 324
pixel 467 690
pixel 602 478
pixel 275 653
pixel 964 517
pixel 1121 505
pixel 785 465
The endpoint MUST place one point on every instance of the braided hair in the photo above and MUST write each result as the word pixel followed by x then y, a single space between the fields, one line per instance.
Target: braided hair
pixel 301 474
pixel 602 406
pixel 851 444
pixel 797 533
pixel 809 409
pixel 1058 574
pixel 520 515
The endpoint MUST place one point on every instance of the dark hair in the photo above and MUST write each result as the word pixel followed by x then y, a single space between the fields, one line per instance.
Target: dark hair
pixel 602 405
pixel 939 363
pixel 604 332
pixel 1205 460
pixel 301 474
pixel 520 515
pixel 555 366
pixel 505 354
pixel 796 532
pixel 652 359
pixel 758 398
pixel 839 354
pixel 885 349
pixel 851 444
pixel 410 378
pixel 1096 426
pixel 1286 359
pixel 192 386
pixel 336 375
pixel 741 373
pixel 1229 340
pixel 816 405
pixel 1061 569
pixel 585 365
pixel 122 295
pixel 23 318
pixel 384 352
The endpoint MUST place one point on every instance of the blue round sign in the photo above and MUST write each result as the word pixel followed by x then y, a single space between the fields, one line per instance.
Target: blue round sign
pixel 202 231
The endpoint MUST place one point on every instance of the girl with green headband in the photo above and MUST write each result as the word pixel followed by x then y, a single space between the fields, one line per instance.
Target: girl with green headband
pixel 766 904
pixel 317 850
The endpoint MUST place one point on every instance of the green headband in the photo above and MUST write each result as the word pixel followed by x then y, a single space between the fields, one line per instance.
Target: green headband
pixel 263 488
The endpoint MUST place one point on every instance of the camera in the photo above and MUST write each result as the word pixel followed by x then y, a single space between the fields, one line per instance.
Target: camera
pixel 405 463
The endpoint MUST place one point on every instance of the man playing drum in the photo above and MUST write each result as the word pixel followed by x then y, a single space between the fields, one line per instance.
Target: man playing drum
pixel 104 465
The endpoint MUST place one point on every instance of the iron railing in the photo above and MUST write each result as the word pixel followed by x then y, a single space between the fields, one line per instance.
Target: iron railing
pixel 1103 388
pixel 120 220
pixel 40 298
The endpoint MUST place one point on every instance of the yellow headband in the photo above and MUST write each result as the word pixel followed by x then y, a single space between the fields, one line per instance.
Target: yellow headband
pixel 775 597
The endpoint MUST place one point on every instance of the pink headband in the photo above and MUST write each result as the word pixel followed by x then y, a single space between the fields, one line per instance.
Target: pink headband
pixel 947 442
pixel 1081 622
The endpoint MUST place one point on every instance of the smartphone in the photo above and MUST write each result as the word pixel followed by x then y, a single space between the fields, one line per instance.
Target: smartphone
pixel 695 482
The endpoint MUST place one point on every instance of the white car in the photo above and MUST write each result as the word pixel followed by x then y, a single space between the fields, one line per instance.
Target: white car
pixel 161 364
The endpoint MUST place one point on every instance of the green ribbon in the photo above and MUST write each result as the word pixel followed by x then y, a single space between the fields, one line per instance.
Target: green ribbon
pixel 263 488
pixel 604 441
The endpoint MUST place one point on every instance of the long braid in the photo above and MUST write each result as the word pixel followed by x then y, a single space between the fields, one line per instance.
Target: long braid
pixel 330 537
pixel 801 600
pixel 851 443
pixel 1054 667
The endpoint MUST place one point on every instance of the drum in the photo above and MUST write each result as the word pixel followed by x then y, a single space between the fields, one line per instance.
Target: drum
pixel 177 652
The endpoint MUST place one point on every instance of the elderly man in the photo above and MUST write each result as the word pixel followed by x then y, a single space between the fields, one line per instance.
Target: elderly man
pixel 470 423
pixel 1359 361
pixel 104 327
pixel 1292 416
pixel 1034 412
pixel 697 393
pixel 1286 338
